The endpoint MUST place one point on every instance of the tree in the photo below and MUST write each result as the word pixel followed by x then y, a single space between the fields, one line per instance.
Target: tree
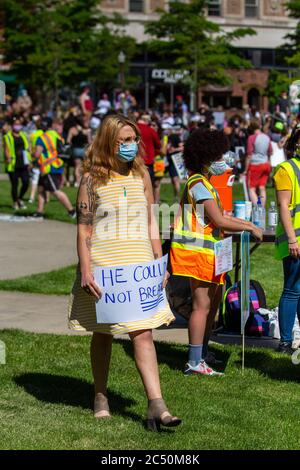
pixel 185 39
pixel 53 43
pixel 289 54
pixel 291 47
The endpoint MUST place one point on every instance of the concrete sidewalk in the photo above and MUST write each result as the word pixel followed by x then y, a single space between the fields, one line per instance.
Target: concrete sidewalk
pixel 48 314
pixel 32 247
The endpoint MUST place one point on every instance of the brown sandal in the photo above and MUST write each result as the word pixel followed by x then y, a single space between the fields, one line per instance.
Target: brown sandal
pixel 158 414
pixel 101 408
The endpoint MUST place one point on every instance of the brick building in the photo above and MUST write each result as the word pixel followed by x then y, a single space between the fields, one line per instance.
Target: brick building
pixel 268 18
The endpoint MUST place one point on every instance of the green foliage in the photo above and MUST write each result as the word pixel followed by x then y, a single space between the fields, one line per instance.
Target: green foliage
pixel 277 83
pixel 184 38
pixel 292 46
pixel 54 43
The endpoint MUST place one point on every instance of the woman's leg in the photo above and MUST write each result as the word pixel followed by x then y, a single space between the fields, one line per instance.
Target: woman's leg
pixel 100 359
pixel 77 172
pixel 211 318
pixel 42 198
pixel 289 301
pixel 13 177
pixel 206 298
pixel 253 195
pixel 176 187
pixel 146 362
pixel 263 195
pixel 24 174
pixel 156 190
pixel 203 295
pixel 34 183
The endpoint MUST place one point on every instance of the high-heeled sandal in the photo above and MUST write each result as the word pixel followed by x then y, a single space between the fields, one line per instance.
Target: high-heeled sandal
pixel 101 407
pixel 158 414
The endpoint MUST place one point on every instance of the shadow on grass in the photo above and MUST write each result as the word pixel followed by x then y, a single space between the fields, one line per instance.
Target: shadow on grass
pixel 279 367
pixel 7 206
pixel 175 356
pixel 71 391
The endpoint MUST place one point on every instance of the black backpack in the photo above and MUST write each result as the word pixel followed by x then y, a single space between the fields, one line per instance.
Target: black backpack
pixel 232 309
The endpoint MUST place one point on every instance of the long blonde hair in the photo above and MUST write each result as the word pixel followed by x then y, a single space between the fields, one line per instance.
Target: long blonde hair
pixel 100 159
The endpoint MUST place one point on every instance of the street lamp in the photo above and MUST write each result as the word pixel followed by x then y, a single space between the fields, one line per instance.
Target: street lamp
pixel 121 60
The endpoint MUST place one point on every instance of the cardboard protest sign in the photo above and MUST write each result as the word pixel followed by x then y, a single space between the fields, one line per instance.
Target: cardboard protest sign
pixel 179 165
pixel 130 293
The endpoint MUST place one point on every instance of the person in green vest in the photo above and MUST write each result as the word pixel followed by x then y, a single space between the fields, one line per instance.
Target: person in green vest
pixel 287 241
pixel 17 160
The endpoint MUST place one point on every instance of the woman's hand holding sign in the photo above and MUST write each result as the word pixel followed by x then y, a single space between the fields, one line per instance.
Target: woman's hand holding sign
pixel 90 286
pixel 166 279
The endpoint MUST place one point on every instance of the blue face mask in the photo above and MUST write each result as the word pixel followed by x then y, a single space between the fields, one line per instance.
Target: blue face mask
pixel 128 152
pixel 218 168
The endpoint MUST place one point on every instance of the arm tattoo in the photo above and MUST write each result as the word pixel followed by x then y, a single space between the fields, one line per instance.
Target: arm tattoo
pixel 88 243
pixel 86 207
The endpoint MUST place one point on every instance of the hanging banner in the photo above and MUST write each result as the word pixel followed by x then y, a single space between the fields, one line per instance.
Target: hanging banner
pixel 245 279
pixel 130 293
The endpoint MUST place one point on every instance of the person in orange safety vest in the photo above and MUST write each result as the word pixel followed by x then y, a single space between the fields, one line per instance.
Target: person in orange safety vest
pixel 51 168
pixel 198 226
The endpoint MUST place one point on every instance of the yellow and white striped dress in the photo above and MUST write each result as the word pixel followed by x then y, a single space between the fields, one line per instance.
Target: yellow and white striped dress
pixel 120 237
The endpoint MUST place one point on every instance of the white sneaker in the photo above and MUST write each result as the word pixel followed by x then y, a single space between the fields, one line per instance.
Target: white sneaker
pixel 22 205
pixel 201 369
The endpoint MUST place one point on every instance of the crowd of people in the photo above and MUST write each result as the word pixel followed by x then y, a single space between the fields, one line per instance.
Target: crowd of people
pixel 257 140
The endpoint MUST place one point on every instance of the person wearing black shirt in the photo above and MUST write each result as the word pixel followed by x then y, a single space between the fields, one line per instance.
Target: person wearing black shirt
pixel 17 161
pixel 174 146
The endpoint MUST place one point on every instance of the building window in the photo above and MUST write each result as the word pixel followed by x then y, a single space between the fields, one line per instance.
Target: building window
pixel 214 8
pixel 136 6
pixel 251 8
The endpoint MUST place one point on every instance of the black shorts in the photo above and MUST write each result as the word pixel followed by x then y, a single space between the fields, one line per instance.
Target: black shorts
pixel 172 168
pixel 51 182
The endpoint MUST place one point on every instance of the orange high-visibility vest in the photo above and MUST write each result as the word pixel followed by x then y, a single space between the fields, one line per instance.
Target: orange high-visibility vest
pixel 50 159
pixel 192 249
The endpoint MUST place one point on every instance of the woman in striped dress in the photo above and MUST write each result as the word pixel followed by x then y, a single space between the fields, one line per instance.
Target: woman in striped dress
pixel 113 171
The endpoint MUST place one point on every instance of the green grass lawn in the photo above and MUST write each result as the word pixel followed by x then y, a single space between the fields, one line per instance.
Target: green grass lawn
pixel 46 384
pixel 54 210
pixel 47 393
pixel 58 282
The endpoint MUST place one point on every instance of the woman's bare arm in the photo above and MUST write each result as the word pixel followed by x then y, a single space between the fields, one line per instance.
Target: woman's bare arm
pixel 85 207
pixel 230 224
pixel 283 200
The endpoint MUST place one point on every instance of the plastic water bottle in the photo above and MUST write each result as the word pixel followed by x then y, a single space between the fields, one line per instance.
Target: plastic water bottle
pixel 259 214
pixel 272 216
